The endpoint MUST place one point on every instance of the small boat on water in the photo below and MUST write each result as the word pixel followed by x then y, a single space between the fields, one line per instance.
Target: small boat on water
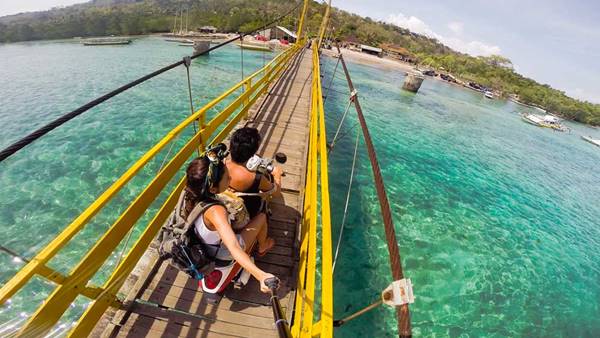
pixel 591 140
pixel 258 46
pixel 546 121
pixel 180 40
pixel 488 94
pixel 187 44
pixel 106 42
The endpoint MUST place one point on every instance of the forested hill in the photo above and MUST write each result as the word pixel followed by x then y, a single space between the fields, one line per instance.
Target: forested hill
pixel 132 17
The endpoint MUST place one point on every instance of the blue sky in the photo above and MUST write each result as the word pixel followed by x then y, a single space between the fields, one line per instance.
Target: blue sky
pixel 554 42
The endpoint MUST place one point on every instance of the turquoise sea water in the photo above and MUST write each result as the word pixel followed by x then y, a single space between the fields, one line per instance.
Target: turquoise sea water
pixel 497 221
pixel 44 187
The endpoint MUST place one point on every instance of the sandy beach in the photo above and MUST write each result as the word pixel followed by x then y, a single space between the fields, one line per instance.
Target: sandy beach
pixel 372 60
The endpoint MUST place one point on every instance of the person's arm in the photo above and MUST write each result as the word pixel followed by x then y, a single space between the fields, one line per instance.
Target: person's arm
pixel 217 217
pixel 266 185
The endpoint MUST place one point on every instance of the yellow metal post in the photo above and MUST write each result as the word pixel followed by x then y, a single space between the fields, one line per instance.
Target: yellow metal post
pixel 326 243
pixel 301 23
pixel 304 239
pixel 311 265
pixel 324 23
pixel 247 86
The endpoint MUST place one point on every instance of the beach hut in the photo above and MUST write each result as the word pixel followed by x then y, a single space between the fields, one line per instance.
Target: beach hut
pixel 280 33
pixel 208 29
pixel 398 52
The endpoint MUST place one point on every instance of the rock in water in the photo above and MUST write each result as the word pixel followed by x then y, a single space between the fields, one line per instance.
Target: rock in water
pixel 201 46
pixel 412 82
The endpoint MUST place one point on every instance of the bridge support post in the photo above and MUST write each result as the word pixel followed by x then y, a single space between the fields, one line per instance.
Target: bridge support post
pixel 247 86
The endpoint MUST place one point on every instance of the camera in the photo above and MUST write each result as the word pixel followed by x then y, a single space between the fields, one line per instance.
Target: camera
pixel 217 152
pixel 259 164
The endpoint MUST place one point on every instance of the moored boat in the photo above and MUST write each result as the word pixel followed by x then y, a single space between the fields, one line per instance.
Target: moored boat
pixel 179 40
pixel 589 139
pixel 546 121
pixel 488 94
pixel 106 42
pixel 254 45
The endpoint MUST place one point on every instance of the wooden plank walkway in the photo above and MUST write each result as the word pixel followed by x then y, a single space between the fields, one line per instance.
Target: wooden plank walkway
pixel 166 303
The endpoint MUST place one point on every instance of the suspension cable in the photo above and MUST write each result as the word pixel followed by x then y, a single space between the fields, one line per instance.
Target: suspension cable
pixel 187 61
pixel 402 312
pixel 22 143
pixel 332 144
pixel 337 247
pixel 13 254
pixel 348 131
pixel 331 81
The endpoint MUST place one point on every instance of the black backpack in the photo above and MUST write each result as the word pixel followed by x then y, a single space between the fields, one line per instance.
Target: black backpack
pixel 179 243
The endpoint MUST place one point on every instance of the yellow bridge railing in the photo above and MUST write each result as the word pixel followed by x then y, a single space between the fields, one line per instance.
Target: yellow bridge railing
pixel 317 177
pixel 76 282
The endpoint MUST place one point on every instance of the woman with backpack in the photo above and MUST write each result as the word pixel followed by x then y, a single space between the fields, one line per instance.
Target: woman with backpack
pixel 208 176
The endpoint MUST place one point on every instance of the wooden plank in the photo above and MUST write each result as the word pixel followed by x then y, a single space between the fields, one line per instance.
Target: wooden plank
pixel 249 293
pixel 191 301
pixel 176 297
pixel 171 276
pixel 276 259
pixel 284 212
pixel 282 224
pixel 149 330
pixel 271 150
pixel 143 272
pixel 281 232
pixel 176 323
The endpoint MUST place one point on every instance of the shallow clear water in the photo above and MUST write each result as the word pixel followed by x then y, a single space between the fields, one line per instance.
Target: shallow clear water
pixel 45 186
pixel 497 220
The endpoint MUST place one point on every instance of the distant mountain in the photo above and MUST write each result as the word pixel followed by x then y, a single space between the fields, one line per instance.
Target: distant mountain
pixel 130 17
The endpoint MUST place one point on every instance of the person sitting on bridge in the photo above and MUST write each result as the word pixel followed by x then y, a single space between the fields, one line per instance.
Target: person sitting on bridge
pixel 243 146
pixel 206 178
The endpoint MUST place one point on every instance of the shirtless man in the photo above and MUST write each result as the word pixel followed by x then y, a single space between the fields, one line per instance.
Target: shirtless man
pixel 243 145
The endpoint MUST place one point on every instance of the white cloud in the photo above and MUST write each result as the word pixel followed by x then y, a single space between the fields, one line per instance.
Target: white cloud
pixel 456 27
pixel 411 23
pixel 417 25
pixel 471 47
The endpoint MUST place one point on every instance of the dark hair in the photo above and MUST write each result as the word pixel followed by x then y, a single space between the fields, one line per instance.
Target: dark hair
pixel 196 177
pixel 244 144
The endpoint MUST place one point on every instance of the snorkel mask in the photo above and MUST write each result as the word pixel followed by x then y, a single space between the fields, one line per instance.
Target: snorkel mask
pixel 215 155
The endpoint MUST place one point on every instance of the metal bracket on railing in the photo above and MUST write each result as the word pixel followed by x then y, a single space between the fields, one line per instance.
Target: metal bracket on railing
pixel 187 61
pixel 398 293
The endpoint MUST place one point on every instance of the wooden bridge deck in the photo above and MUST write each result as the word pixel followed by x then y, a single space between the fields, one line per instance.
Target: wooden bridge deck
pixel 166 303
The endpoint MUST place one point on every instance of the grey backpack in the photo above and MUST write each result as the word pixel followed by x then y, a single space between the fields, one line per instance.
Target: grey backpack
pixel 179 243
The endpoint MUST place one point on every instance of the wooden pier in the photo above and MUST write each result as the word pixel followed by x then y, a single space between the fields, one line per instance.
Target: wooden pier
pixel 163 302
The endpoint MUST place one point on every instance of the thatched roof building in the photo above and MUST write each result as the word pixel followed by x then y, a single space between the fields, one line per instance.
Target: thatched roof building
pixel 398 52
